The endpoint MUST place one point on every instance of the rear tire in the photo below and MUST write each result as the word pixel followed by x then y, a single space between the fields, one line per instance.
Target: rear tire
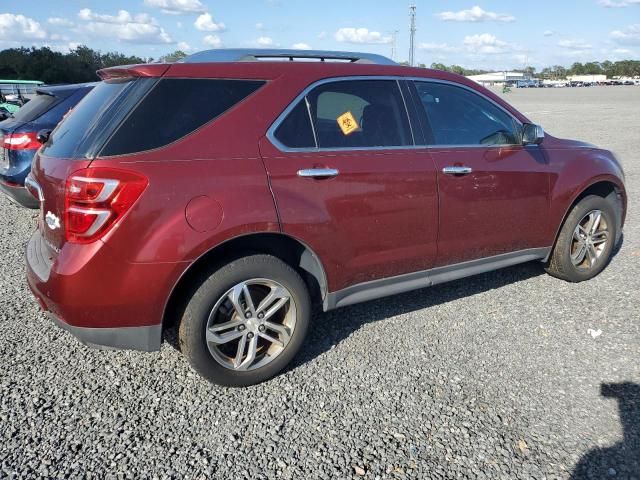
pixel 586 241
pixel 245 322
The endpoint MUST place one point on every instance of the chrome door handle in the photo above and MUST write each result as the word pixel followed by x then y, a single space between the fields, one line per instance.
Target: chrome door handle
pixel 457 170
pixel 318 173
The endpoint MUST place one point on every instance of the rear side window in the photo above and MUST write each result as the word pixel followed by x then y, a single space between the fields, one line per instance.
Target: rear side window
pixel 296 131
pixel 348 114
pixel 458 116
pixel 360 114
pixel 174 108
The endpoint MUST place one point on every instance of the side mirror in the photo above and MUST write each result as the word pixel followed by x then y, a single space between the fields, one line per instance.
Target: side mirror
pixel 43 136
pixel 532 134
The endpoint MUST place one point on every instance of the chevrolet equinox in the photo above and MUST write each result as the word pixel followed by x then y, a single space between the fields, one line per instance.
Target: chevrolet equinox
pixel 227 194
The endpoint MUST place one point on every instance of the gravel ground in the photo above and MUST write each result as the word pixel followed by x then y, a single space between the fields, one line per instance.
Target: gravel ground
pixel 496 376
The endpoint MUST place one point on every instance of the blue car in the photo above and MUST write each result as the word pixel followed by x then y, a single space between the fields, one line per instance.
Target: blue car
pixel 19 135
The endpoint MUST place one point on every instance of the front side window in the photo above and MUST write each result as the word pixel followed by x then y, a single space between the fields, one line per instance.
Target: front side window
pixel 458 116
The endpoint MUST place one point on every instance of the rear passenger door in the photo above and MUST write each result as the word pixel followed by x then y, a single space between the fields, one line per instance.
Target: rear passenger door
pixel 349 181
pixel 493 190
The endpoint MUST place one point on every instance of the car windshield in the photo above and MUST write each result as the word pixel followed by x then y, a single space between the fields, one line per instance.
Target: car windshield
pixel 36 107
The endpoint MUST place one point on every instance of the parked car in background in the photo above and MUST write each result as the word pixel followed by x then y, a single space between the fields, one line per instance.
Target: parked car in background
pixel 267 187
pixel 18 135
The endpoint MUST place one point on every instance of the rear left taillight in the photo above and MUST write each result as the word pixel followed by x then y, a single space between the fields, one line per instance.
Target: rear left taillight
pixel 21 141
pixel 96 198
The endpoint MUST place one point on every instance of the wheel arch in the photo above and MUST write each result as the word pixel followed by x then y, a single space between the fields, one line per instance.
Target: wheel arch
pixel 608 188
pixel 285 247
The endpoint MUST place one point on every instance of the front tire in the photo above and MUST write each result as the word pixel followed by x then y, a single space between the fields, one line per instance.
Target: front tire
pixel 586 241
pixel 245 322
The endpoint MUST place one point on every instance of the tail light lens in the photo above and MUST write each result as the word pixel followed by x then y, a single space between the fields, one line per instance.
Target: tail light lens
pixel 21 141
pixel 96 198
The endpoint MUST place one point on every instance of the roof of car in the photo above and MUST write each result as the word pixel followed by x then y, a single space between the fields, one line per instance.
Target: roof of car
pixel 226 55
pixel 64 90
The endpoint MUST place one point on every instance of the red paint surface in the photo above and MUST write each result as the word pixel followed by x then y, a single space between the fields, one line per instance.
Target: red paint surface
pixel 388 212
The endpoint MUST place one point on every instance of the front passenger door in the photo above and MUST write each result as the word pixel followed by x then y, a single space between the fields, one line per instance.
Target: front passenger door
pixel 493 191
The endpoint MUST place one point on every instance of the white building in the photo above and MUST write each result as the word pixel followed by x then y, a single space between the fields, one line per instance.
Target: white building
pixel 498 78
pixel 587 78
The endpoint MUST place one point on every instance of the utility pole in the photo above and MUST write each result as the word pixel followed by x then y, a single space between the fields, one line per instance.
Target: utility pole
pixel 394 44
pixel 412 34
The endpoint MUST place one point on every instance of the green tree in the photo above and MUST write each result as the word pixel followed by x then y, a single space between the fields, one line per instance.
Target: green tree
pixel 173 56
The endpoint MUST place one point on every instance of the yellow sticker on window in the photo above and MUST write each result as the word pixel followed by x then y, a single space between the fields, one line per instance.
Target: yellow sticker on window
pixel 348 123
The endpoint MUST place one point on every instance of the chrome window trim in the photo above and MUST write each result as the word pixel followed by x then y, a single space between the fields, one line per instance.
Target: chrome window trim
pixel 274 126
pixel 280 118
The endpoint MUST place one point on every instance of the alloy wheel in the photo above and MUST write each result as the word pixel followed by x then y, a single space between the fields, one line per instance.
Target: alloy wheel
pixel 590 239
pixel 251 324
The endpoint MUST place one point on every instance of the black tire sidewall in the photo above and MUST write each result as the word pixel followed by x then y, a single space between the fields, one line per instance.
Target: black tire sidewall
pixel 586 205
pixel 192 329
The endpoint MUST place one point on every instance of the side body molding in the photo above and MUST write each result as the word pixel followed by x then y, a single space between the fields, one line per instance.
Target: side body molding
pixel 427 278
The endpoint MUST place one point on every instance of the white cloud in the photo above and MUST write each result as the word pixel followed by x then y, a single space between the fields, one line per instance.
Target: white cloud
pixel 213 41
pixel 628 36
pixel 259 26
pixel 322 35
pixel 60 22
pixel 184 46
pixel 618 4
pixel 177 7
pixel 206 23
pixel 19 28
pixel 265 42
pixel 437 47
pixel 360 35
pixel 301 46
pixel 487 44
pixel 548 33
pixel 475 14
pixel 123 17
pixel 623 51
pixel 124 26
pixel 576 45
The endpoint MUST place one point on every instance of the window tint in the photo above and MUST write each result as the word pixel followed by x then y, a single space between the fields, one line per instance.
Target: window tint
pixel 295 130
pixel 55 114
pixel 359 113
pixel 458 116
pixel 175 108
pixel 34 108
pixel 92 121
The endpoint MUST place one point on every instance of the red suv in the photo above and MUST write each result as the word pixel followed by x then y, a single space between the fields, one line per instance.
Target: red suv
pixel 227 194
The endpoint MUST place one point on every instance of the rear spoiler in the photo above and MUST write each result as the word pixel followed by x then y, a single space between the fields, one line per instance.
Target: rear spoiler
pixel 127 71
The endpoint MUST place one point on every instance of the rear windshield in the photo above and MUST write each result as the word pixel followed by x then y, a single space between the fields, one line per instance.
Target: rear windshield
pixel 131 116
pixel 34 108
pixel 94 118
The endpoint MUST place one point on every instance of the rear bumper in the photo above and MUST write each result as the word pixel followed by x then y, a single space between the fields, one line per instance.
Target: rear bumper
pixel 18 194
pixel 103 301
pixel 145 339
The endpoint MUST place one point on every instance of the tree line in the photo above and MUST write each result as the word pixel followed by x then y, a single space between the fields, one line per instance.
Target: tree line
pixel 623 68
pixel 76 66
pixel 80 65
